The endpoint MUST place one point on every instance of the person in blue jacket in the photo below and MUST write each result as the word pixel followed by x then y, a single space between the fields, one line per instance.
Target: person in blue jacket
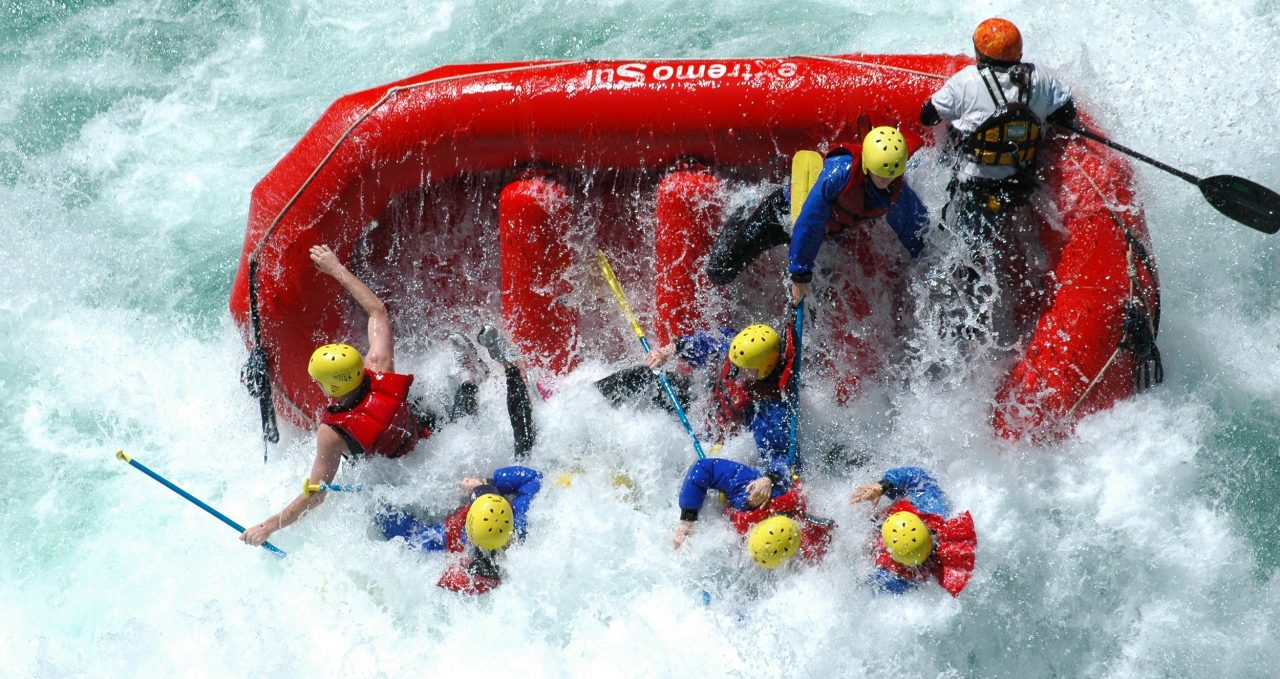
pixel 749 388
pixel 753 497
pixel 916 541
pixel 497 507
pixel 856 185
pixel 494 516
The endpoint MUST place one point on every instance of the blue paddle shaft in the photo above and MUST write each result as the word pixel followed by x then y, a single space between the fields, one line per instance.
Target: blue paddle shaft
pixel 197 502
pixel 794 386
pixel 675 402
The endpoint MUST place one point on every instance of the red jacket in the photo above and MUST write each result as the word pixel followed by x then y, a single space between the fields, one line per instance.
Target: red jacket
pixel 815 532
pixel 951 562
pixel 382 423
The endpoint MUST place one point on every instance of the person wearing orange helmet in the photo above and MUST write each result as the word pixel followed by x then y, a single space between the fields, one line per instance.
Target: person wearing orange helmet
pixel 370 413
pixel 998 109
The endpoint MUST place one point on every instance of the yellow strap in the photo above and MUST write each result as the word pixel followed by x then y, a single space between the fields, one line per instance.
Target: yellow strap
pixel 805 168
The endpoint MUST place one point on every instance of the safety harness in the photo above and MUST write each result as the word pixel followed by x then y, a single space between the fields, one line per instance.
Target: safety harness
pixel 1010 135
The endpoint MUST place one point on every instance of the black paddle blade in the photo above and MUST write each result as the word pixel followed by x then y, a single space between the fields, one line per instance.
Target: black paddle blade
pixel 1249 203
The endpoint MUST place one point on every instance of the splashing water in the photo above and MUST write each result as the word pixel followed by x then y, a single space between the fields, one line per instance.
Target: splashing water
pixel 132 135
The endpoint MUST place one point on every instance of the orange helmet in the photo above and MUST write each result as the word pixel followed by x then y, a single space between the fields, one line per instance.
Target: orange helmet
pixel 998 39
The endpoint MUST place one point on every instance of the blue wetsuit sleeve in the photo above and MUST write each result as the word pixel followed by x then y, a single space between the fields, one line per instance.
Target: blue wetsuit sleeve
pixel 522 483
pixel 425 536
pixel 771 427
pixel 918 486
pixel 713 473
pixel 810 228
pixel 702 347
pixel 908 218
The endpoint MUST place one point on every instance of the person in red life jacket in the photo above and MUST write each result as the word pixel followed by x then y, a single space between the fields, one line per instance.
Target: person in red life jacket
pixel 765 506
pixel 495 515
pixel 915 541
pixel 748 390
pixel 856 185
pixel 997 110
pixel 370 414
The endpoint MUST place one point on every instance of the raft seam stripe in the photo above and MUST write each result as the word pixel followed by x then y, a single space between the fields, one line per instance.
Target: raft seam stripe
pixel 838 60
pixel 1128 257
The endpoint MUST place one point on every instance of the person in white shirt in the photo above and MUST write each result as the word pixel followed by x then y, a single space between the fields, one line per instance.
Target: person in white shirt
pixel 998 109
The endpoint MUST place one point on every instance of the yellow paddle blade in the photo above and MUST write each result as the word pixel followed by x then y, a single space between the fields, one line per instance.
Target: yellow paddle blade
pixel 805 168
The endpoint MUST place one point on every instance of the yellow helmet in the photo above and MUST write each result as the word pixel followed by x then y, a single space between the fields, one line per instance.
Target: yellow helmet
pixel 339 368
pixel 756 347
pixel 907 539
pixel 774 541
pixel 489 522
pixel 884 153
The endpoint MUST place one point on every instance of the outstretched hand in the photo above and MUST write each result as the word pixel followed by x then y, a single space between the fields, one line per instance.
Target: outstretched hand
pixel 655 358
pixel 256 535
pixel 471 483
pixel 326 261
pixel 870 492
pixel 682 531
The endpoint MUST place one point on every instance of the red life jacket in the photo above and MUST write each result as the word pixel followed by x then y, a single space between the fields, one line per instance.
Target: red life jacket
pixel 735 398
pixel 453 527
pixel 850 206
pixel 951 562
pixel 382 423
pixel 456 579
pixel 815 532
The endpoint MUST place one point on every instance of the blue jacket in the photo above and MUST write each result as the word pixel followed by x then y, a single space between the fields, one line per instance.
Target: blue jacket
pixel 918 486
pixel 726 476
pixel 768 420
pixel 908 217
pixel 518 484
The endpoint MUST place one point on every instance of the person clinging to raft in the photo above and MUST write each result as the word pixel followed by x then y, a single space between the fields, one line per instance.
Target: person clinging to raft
pixel 370 413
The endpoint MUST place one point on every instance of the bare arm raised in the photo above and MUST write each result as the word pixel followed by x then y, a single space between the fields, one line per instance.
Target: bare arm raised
pixel 380 357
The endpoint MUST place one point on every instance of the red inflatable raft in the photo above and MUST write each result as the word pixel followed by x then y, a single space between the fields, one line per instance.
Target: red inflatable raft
pixel 489 187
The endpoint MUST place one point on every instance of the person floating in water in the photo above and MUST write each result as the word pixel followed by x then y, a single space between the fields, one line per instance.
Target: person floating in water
pixel 770 510
pixel 915 542
pixel 495 512
pixel 494 516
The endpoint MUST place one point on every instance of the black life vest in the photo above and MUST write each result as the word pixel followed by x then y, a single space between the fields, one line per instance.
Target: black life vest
pixel 1011 134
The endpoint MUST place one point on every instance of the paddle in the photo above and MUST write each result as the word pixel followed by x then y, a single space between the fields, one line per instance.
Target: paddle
pixel 612 279
pixel 793 383
pixel 120 455
pixel 1249 203
pixel 309 488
